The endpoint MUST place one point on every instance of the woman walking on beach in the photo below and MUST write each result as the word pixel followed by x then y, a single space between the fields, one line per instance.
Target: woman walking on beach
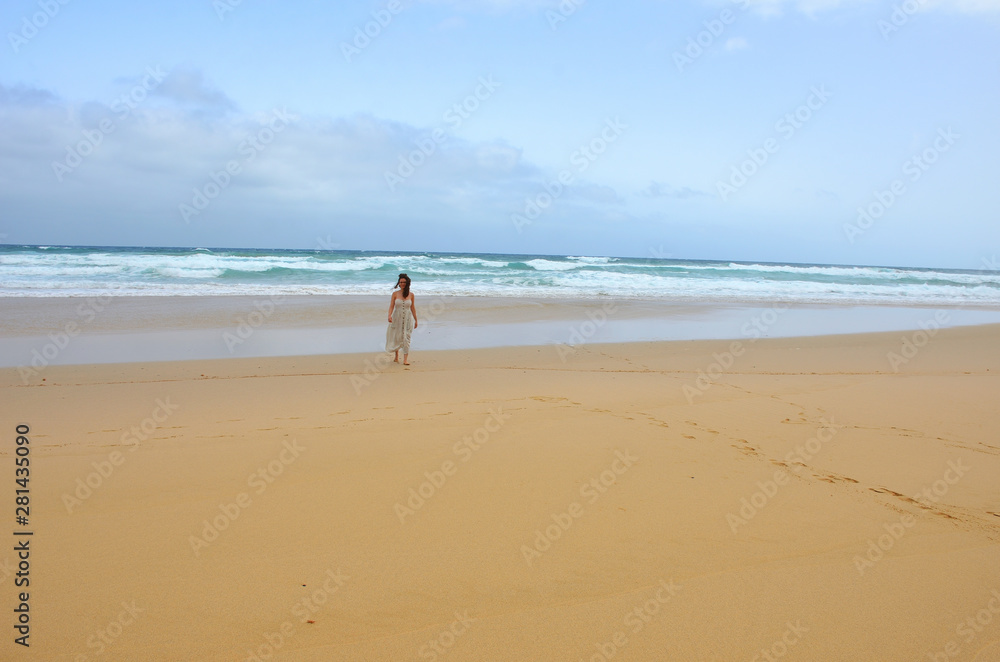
pixel 402 320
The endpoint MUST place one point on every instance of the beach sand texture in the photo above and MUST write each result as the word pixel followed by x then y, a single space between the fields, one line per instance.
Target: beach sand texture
pixel 808 498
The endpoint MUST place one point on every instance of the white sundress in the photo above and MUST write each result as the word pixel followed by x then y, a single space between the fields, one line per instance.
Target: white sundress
pixel 397 336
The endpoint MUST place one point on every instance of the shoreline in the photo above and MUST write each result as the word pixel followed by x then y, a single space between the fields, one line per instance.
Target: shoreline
pixel 72 331
pixel 718 351
pixel 727 495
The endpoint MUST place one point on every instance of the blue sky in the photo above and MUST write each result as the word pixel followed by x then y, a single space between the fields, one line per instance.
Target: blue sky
pixel 690 129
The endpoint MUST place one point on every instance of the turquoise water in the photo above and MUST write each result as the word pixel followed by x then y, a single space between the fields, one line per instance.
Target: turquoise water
pixel 44 271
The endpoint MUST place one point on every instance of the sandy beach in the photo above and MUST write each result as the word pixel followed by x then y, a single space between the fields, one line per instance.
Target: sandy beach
pixel 698 354
pixel 823 498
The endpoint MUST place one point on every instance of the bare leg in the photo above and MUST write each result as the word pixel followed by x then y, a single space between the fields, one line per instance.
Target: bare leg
pixel 396 357
pixel 406 359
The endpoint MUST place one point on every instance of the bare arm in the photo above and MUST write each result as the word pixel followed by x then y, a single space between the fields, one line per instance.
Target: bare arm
pixel 392 302
pixel 413 309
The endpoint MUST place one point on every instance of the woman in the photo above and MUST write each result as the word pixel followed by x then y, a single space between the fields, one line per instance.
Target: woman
pixel 402 320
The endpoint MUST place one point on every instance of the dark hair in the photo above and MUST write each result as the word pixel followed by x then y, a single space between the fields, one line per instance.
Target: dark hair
pixel 399 278
pixel 406 288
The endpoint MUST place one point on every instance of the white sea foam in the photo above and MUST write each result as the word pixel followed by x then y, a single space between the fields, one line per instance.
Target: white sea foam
pixel 33 272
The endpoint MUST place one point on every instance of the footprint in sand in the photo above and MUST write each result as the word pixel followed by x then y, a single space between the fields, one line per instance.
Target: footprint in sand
pixel 745 448
pixel 884 490
pixel 547 398
pixel 834 478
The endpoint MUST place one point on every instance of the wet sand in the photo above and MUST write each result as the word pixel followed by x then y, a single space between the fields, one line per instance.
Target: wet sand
pixel 36 333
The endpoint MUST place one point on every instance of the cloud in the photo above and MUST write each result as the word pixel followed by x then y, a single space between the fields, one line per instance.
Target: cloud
pixel 813 7
pixel 604 195
pixel 828 197
pixel 188 86
pixel 809 7
pixel 965 6
pixel 111 173
pixel 496 6
pixel 23 95
pixel 661 190
pixel 736 44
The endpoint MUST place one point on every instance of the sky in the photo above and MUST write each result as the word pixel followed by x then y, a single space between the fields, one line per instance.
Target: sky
pixel 815 131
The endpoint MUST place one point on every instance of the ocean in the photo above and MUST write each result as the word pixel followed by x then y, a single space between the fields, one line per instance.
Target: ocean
pixel 50 271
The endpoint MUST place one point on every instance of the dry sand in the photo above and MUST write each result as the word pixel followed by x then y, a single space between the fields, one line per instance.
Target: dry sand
pixel 806 500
